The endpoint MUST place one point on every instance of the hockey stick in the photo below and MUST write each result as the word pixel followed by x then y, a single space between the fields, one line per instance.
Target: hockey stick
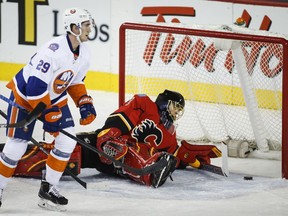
pixel 67 170
pixel 159 165
pixel 31 117
pixel 12 103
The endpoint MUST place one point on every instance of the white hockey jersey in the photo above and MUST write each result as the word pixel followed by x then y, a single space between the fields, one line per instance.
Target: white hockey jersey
pixel 50 72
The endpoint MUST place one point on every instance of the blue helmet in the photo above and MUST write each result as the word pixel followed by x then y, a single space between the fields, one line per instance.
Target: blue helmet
pixel 170 106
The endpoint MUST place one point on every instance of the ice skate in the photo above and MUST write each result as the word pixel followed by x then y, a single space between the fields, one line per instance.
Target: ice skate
pixel 50 198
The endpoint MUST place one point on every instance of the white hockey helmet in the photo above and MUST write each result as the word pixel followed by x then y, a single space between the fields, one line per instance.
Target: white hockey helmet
pixel 76 16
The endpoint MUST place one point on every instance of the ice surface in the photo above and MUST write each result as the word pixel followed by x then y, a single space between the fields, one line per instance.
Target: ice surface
pixel 192 192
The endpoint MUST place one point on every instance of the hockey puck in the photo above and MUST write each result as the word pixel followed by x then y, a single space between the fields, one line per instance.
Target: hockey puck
pixel 248 178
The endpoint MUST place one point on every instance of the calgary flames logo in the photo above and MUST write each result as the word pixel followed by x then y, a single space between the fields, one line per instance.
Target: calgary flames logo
pixel 62 81
pixel 147 132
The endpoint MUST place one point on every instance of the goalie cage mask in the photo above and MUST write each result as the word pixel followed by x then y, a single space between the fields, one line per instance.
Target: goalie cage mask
pixel 171 107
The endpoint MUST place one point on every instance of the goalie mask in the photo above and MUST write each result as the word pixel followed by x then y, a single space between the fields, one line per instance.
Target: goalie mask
pixel 76 16
pixel 171 107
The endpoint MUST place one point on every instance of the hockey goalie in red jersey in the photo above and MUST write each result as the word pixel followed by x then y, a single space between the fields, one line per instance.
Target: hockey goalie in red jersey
pixel 142 132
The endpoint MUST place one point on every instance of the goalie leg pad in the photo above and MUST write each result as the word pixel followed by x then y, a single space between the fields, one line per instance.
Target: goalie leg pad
pixel 135 160
pixel 33 161
pixel 194 155
pixel 140 159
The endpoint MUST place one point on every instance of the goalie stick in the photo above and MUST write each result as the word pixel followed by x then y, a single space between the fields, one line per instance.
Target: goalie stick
pixel 213 169
pixel 159 165
pixel 67 170
pixel 223 170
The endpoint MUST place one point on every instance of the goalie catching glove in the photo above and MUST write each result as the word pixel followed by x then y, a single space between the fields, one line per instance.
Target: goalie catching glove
pixel 111 143
pixel 195 155
pixel 87 110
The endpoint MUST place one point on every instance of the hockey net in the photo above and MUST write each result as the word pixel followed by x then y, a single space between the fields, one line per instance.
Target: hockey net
pixel 231 78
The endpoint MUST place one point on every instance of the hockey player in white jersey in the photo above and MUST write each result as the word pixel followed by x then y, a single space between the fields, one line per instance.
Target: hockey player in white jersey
pixel 57 68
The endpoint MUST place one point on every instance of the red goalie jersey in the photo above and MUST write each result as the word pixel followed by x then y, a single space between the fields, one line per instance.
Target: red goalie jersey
pixel 139 121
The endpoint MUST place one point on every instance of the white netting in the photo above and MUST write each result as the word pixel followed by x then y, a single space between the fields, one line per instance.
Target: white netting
pixel 216 107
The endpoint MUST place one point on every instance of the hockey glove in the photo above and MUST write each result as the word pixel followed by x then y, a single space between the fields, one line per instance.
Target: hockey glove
pixel 52 120
pixel 87 110
pixel 195 155
pixel 111 143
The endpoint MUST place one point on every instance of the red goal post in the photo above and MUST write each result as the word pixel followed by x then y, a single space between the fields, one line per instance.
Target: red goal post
pixel 232 78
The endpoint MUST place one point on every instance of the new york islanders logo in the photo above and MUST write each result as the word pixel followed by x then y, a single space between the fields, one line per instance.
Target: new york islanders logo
pixel 62 81
pixel 147 132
